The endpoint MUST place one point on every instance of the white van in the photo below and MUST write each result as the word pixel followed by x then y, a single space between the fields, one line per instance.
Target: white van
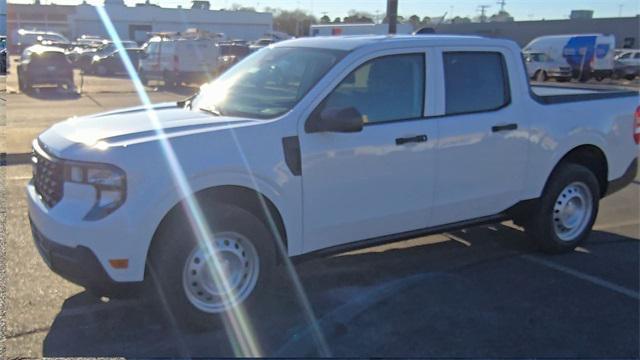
pixel 176 59
pixel 589 55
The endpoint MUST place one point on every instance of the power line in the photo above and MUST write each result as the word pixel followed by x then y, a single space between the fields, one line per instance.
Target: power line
pixel 483 12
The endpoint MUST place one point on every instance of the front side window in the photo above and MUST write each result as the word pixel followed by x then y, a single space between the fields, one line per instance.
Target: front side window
pixel 152 47
pixel 474 82
pixel 384 89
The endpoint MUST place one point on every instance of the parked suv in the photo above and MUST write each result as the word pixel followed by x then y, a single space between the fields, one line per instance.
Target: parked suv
pixel 44 65
pixel 317 146
pixel 27 38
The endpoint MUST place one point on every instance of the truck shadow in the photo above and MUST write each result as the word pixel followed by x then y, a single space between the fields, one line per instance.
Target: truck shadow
pixel 339 289
pixel 52 94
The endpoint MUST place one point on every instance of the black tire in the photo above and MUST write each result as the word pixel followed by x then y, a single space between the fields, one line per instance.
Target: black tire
pixel 630 77
pixel 540 227
pixel 541 75
pixel 169 79
pixel 143 77
pixel 172 247
pixel 20 80
pixel 23 82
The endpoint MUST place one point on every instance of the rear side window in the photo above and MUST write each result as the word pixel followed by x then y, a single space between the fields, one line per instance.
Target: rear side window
pixel 475 82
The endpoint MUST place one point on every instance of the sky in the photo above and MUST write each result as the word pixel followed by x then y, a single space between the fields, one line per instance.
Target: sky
pixel 520 9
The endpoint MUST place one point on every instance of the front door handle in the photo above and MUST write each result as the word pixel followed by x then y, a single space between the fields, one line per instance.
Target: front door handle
pixel 413 139
pixel 507 127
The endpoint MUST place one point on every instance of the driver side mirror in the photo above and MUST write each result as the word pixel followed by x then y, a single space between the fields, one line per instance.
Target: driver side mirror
pixel 338 120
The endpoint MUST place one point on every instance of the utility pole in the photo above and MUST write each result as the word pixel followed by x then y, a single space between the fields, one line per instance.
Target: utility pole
pixel 392 15
pixel 483 12
pixel 502 3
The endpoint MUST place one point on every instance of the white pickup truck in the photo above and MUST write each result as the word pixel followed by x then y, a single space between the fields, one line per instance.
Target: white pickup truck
pixel 316 146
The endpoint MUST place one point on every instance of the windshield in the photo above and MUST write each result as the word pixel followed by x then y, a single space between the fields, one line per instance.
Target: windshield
pixel 268 83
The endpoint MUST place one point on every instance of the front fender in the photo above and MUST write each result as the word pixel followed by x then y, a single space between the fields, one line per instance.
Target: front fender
pixel 285 201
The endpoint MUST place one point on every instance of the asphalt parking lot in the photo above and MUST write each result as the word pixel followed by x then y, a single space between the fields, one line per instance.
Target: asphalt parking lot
pixel 480 292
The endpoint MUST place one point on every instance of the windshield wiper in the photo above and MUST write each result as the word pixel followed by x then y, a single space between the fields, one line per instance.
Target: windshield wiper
pixel 214 111
pixel 183 103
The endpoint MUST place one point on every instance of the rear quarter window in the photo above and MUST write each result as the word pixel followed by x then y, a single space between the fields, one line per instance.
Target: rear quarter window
pixel 475 82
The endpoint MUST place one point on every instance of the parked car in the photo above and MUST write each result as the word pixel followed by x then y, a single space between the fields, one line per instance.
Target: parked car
pixel 3 61
pixel 4 58
pixel 317 146
pixel 88 56
pixel 112 63
pixel 44 65
pixel 589 55
pixel 230 54
pixel 627 64
pixel 261 43
pixel 177 58
pixel 541 67
pixel 83 49
pixel 27 38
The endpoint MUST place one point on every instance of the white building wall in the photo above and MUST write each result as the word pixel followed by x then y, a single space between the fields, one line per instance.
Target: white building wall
pixel 234 24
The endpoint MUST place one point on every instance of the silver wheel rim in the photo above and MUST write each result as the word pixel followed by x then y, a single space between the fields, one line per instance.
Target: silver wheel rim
pixel 572 211
pixel 237 262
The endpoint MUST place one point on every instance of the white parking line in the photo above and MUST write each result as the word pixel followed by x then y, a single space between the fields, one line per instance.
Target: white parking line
pixel 580 275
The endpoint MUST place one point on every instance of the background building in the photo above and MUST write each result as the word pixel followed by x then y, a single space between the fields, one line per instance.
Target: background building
pixel 134 23
pixel 625 29
pixel 3 17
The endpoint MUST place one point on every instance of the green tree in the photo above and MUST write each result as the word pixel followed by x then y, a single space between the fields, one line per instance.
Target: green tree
pixel 238 7
pixel 358 17
pixel 325 19
pixel 293 22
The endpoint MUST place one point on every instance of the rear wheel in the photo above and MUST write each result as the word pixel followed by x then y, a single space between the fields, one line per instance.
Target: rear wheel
pixel 23 82
pixel 565 214
pixel 202 280
pixel 143 77
pixel 541 75
pixel 630 77
pixel 169 79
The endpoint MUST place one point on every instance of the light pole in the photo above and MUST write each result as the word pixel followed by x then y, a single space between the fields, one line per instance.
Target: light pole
pixel 392 15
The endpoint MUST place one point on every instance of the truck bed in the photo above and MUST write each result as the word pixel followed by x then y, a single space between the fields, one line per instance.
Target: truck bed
pixel 553 94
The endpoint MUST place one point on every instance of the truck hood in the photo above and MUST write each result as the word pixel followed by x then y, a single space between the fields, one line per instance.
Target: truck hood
pixel 133 125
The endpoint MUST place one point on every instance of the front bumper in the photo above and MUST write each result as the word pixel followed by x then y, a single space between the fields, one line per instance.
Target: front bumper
pixel 118 236
pixel 76 264
pixel 559 74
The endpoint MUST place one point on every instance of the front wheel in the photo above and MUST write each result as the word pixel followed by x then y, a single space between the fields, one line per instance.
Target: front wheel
pixel 565 214
pixel 201 279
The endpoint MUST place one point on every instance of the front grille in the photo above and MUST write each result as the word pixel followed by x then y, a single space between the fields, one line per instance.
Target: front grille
pixel 48 178
pixel 565 68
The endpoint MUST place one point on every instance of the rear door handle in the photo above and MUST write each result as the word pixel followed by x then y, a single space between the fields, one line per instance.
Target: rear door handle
pixel 507 127
pixel 413 139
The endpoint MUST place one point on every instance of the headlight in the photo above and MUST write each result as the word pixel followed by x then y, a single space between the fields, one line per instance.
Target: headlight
pixel 96 58
pixel 108 180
